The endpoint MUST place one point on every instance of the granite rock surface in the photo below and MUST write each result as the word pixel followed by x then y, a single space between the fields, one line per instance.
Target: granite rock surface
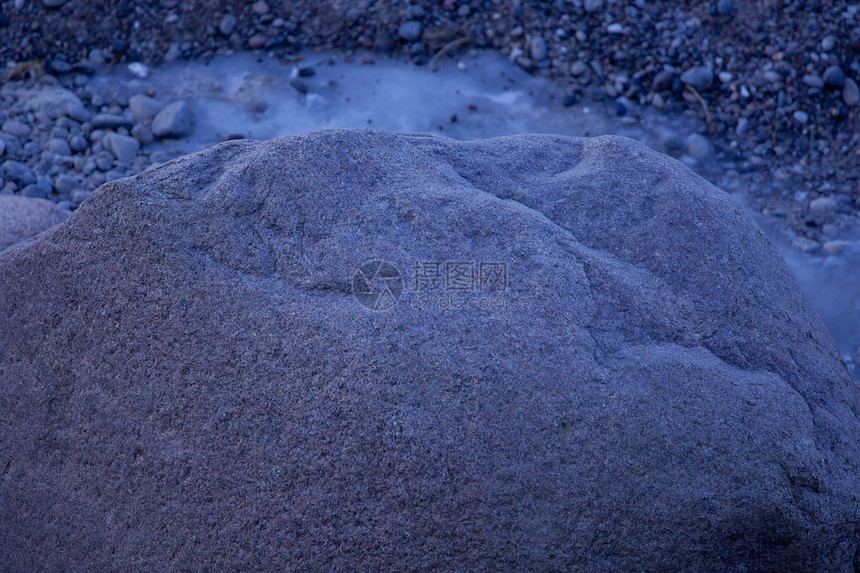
pixel 360 350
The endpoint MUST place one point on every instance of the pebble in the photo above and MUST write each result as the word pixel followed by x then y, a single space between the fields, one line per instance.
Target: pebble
pixel 850 93
pixel 834 77
pixel 45 183
pixel 96 57
pixel 143 108
pixel 53 3
pixel 175 120
pixel 123 147
pixel 59 146
pixel 14 127
pixel 834 247
pixel 110 121
pixel 827 43
pixel 592 5
pixel 823 204
pixel 113 175
pixel 813 81
pixel 104 162
pixel 662 80
pixel 2 146
pixel 726 7
pixel 615 28
pixel 80 195
pixel 805 245
pixel 257 41
pixel 227 24
pixel 260 7
pixel 801 116
pixel 34 191
pixel 142 133
pixel 771 76
pixel 699 77
pixel 698 146
pixel 410 30
pixel 65 183
pixel 78 143
pixel 672 143
pixel 60 66
pixel 538 48
pixel 578 68
pixel 18 172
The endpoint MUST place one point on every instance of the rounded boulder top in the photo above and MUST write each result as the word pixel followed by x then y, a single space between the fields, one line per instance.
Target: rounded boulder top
pixel 364 350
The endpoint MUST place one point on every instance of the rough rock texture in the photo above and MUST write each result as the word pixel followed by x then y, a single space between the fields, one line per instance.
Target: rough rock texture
pixel 23 217
pixel 188 381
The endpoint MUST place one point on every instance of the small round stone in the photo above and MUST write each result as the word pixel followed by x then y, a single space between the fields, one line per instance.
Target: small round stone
pixel 410 30
pixel 834 77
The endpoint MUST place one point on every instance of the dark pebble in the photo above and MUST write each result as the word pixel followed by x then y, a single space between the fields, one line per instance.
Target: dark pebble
pixel 34 191
pixel 299 86
pixel 834 77
pixel 120 45
pixel 662 81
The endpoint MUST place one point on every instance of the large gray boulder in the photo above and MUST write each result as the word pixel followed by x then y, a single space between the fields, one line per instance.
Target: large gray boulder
pixel 25 217
pixel 572 354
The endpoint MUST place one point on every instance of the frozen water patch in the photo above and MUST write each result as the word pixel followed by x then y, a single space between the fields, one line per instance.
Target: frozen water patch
pixel 482 95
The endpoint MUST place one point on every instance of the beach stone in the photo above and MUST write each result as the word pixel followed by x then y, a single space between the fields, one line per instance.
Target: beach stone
pixel 18 172
pixel 60 146
pixel 662 80
pixel 805 245
pixel 363 350
pixel 698 146
pixel 538 48
pixel 699 77
pixel 111 121
pixel 57 101
pixel 257 41
pixel 17 128
pixel 813 81
pixel 260 7
pixel 850 93
pixel 142 133
pixel 823 204
pixel 123 147
pixel 34 191
pixel 80 195
pixel 78 143
pixel 143 108
pixel 24 217
pixel 44 182
pixel 175 120
pixel 65 183
pixel 227 24
pixel 410 30
pixel 834 77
